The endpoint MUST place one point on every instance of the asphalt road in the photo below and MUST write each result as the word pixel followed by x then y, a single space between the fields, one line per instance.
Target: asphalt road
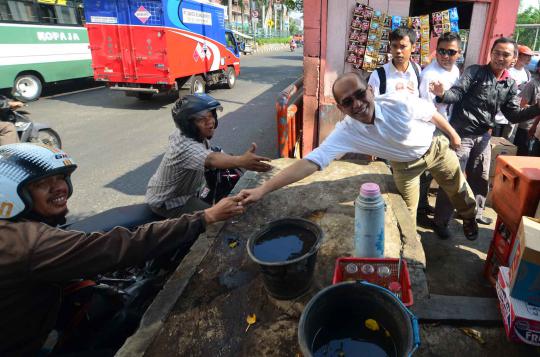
pixel 118 141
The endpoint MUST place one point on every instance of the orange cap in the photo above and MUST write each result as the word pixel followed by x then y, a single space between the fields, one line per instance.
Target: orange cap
pixel 524 50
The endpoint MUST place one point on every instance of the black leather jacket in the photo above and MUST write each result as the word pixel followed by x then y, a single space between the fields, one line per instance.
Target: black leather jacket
pixel 477 96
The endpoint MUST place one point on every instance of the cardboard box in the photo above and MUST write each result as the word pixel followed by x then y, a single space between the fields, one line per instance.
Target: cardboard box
pixel 521 320
pixel 499 146
pixel 525 262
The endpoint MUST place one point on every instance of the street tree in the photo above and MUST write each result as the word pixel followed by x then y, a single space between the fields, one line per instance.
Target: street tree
pixel 526 36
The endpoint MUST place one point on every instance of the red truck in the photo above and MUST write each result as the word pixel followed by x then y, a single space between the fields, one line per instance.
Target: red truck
pixel 153 46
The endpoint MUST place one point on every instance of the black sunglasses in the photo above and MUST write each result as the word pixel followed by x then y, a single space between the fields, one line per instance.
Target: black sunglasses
pixel 359 95
pixel 443 51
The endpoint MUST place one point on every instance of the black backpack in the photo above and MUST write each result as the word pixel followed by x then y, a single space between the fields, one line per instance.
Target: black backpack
pixel 382 77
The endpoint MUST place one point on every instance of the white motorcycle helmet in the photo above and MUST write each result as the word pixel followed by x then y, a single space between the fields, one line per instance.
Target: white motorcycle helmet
pixel 23 163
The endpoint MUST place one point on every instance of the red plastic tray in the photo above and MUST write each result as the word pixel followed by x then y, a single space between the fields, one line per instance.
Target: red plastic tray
pixel 404 279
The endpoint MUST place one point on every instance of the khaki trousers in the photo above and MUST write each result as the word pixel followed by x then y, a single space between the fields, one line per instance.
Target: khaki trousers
pixel 8 133
pixel 443 164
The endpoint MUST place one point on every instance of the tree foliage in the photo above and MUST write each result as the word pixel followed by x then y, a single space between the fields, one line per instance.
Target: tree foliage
pixel 297 5
pixel 526 36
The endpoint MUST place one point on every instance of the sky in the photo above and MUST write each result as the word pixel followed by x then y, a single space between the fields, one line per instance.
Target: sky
pixel 523 4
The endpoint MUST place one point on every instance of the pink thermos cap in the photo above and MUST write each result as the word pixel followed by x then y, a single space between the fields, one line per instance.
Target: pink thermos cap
pixel 370 189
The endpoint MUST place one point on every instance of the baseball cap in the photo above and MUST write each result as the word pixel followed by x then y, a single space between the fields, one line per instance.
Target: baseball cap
pixel 524 50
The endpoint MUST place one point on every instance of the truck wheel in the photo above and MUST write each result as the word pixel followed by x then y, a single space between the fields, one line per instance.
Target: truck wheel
pixel 28 87
pixel 145 96
pixel 231 77
pixel 198 85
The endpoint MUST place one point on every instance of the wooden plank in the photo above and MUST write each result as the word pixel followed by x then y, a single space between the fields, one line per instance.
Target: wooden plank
pixel 457 308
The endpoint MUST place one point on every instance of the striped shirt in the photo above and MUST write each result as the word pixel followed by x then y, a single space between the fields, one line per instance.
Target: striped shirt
pixel 180 175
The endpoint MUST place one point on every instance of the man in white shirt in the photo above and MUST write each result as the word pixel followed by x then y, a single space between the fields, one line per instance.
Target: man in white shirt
pixel 398 127
pixel 519 72
pixel 522 76
pixel 400 73
pixel 443 69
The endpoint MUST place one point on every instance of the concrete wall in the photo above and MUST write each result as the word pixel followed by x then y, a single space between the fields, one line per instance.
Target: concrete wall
pixel 476 34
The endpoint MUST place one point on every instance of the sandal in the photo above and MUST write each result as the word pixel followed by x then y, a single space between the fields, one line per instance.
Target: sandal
pixel 470 229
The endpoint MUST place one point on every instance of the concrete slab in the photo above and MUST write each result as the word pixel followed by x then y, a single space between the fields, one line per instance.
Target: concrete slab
pixel 208 316
pixel 202 310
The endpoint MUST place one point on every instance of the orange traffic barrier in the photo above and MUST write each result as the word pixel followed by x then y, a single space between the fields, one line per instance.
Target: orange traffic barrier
pixel 289 119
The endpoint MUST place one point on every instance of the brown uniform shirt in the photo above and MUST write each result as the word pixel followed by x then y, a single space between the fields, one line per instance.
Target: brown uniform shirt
pixel 35 259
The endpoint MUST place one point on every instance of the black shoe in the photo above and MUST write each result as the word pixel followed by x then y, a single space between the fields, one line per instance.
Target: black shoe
pixel 441 231
pixel 426 210
pixel 470 229
pixel 484 220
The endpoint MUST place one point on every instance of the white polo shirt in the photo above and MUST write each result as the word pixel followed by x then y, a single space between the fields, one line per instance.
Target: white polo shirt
pixel 396 80
pixel 434 72
pixel 402 131
pixel 520 76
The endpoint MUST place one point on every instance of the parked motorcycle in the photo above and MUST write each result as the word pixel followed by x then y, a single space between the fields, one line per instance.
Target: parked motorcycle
pixel 99 314
pixel 29 131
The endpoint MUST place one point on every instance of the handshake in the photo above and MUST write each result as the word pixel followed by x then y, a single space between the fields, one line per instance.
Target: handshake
pixel 232 206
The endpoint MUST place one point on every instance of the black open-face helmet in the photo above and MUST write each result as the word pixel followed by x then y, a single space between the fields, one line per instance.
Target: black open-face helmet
pixel 187 109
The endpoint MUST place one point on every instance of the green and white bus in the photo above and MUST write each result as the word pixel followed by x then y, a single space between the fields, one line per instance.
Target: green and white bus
pixel 41 41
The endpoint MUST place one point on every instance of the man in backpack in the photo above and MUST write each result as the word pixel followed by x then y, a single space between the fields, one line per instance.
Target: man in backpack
pixel 400 72
pixel 481 91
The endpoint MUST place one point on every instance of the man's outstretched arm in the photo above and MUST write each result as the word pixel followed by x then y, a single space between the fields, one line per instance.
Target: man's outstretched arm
pixel 249 160
pixel 291 174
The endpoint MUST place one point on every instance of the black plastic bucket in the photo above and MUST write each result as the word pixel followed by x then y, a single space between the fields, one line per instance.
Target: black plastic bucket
pixel 352 304
pixel 287 278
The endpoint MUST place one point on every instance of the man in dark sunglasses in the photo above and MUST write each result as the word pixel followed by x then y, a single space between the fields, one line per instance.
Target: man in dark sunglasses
pixel 443 68
pixel 480 92
pixel 397 127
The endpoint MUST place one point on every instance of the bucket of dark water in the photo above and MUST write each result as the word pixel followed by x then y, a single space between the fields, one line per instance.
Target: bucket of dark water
pixel 286 251
pixel 357 319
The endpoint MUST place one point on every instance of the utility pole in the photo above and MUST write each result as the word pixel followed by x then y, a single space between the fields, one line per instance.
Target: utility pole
pixel 229 11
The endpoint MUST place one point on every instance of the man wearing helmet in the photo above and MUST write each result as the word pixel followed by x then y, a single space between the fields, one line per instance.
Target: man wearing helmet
pixel 8 132
pixel 175 187
pixel 36 257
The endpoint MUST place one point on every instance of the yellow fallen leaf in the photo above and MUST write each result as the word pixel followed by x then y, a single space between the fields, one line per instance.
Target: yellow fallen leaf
pixel 386 333
pixel 372 325
pixel 250 319
pixel 477 335
pixel 233 244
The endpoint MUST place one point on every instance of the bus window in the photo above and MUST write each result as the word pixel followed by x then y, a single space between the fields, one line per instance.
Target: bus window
pixel 58 14
pixel 46 14
pixel 80 14
pixel 23 11
pixel 66 15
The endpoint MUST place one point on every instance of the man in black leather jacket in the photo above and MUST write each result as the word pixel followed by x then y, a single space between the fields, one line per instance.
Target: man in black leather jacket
pixel 481 91
pixel 8 132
